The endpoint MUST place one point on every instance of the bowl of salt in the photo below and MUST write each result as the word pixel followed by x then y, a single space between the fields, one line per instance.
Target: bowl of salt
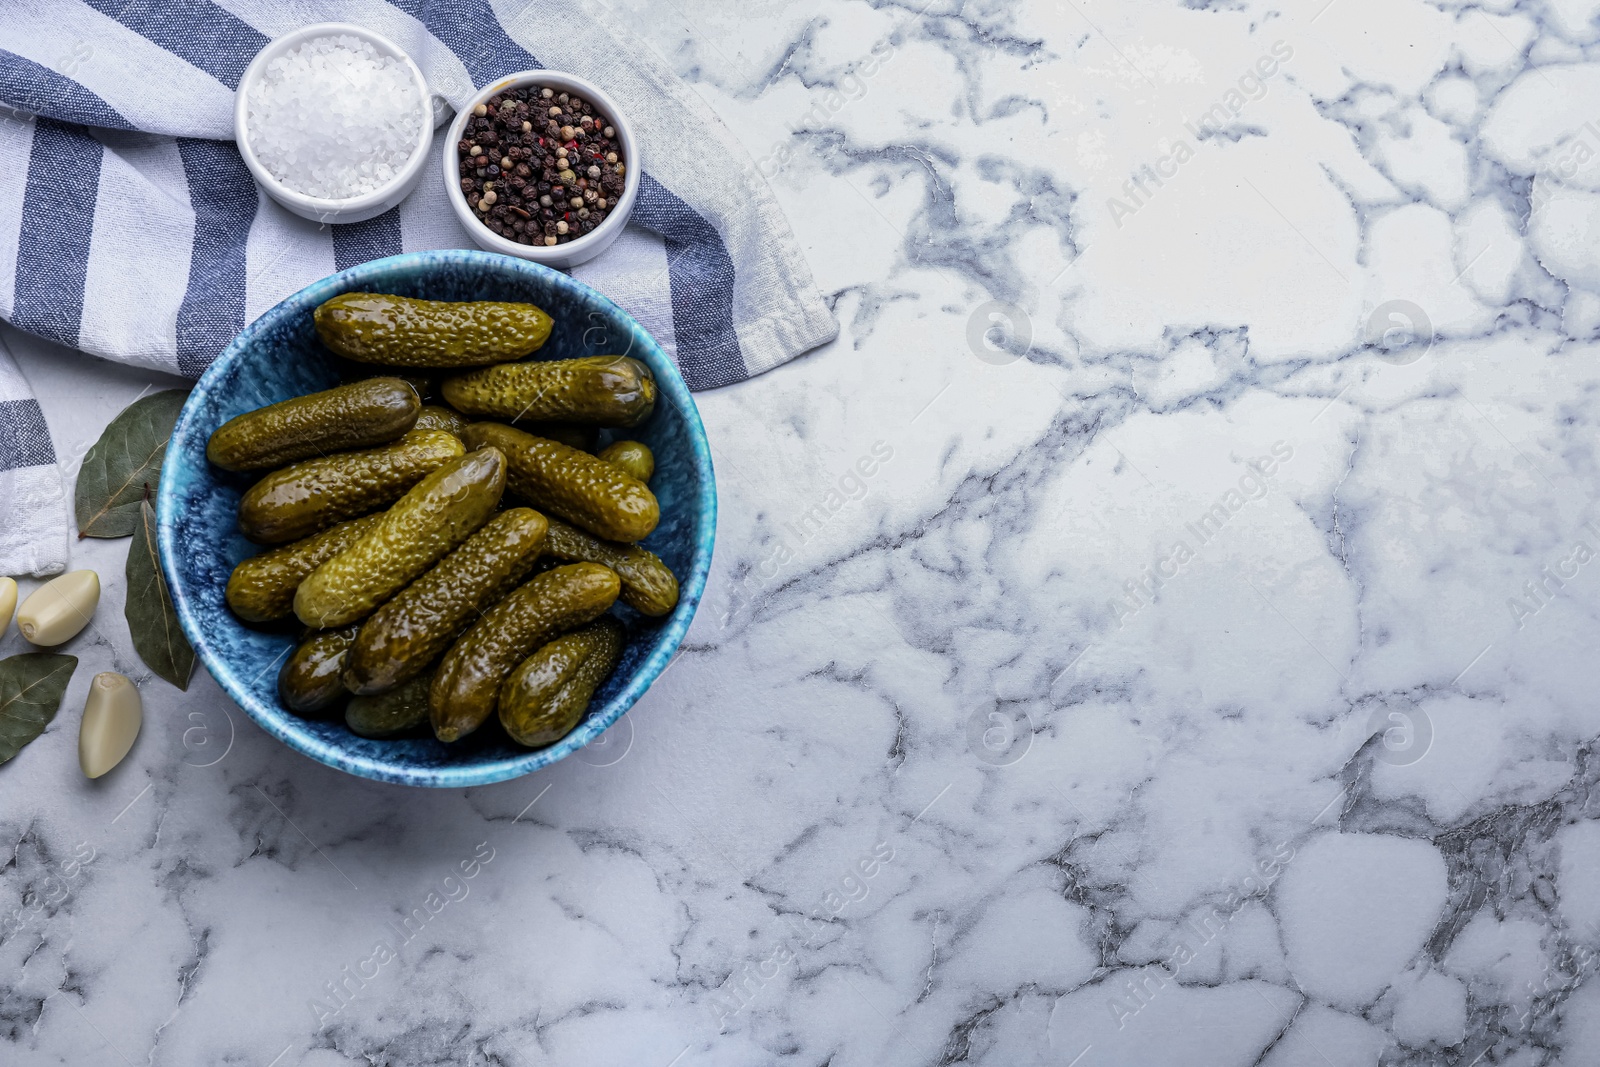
pixel 334 121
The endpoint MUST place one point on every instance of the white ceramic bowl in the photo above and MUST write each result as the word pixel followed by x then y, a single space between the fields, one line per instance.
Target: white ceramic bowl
pixel 590 244
pixel 316 208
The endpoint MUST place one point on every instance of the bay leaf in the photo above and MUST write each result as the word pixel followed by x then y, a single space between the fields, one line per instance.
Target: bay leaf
pixel 31 688
pixel 152 620
pixel 123 463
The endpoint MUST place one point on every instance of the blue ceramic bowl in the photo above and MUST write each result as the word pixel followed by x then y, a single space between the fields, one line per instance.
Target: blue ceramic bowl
pixel 277 357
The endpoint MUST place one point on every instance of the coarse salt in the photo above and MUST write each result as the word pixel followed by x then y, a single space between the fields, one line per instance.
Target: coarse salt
pixel 334 117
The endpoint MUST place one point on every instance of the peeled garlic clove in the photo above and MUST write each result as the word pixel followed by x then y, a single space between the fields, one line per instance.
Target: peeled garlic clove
pixel 8 602
pixel 57 610
pixel 111 720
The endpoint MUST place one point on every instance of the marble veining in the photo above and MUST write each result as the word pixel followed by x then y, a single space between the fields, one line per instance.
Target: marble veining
pixel 1159 629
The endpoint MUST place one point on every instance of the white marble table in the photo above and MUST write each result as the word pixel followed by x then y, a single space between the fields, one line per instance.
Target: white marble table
pixel 1123 648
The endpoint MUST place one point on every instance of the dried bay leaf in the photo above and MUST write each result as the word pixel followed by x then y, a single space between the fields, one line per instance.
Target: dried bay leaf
pixel 124 463
pixel 152 620
pixel 31 688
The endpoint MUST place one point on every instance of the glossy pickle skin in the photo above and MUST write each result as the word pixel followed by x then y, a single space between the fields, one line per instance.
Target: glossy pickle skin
pixel 358 415
pixel 314 494
pixel 634 458
pixel 467 686
pixel 648 584
pixel 433 517
pixel 548 693
pixel 309 683
pixel 597 390
pixel 437 417
pixel 261 588
pixel 584 490
pixel 400 711
pixel 405 635
pixel 402 331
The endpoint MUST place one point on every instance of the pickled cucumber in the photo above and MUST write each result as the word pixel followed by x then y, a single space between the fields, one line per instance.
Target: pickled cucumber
pixel 436 417
pixel 310 681
pixel 358 415
pixel 648 585
pixel 633 457
pixel 434 516
pixel 408 633
pixel 546 696
pixel 261 589
pixel 582 489
pixel 393 714
pixel 466 688
pixel 405 332
pixel 600 390
pixel 314 494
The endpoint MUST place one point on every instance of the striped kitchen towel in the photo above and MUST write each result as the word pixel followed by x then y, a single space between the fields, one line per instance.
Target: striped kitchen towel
pixel 129 227
pixel 33 505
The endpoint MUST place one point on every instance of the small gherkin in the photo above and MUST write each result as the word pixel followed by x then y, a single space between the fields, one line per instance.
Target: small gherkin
pixel 582 489
pixel 402 637
pixel 261 588
pixel 403 331
pixel 597 390
pixel 393 714
pixel 314 494
pixel 309 682
pixel 358 415
pixel 466 688
pixel 546 696
pixel 648 584
pixel 633 458
pixel 435 516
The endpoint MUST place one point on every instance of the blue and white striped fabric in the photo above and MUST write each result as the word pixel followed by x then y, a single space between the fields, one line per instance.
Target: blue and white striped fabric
pixel 33 505
pixel 129 227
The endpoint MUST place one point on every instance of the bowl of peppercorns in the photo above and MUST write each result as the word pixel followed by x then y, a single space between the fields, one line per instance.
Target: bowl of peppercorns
pixel 542 165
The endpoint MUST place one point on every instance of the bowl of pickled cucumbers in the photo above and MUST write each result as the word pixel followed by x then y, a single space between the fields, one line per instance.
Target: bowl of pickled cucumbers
pixel 439 519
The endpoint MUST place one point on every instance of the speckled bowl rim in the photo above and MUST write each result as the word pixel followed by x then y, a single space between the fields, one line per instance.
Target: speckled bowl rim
pixel 287 727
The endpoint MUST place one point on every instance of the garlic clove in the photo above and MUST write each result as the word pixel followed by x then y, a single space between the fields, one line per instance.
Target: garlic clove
pixel 8 603
pixel 59 609
pixel 111 720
